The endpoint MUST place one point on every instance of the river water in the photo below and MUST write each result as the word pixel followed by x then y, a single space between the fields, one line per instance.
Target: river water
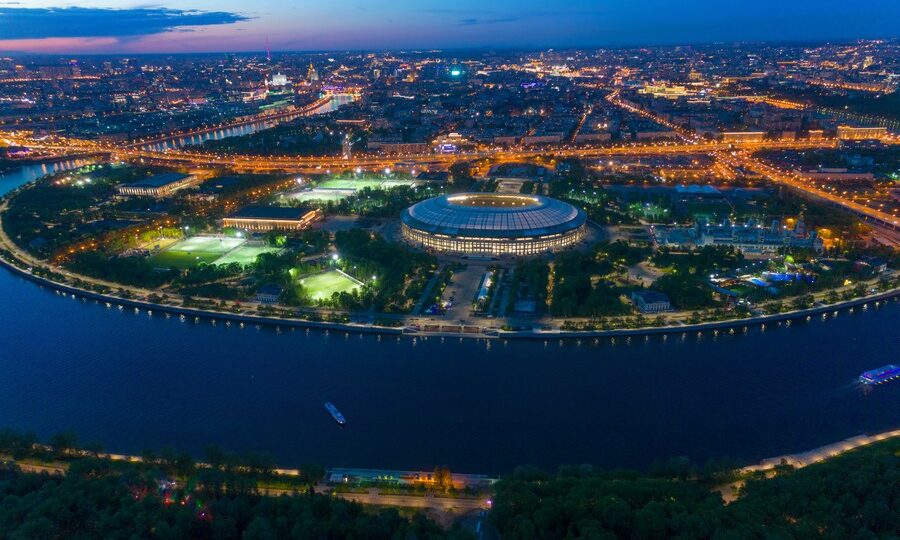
pixel 132 381
pixel 246 129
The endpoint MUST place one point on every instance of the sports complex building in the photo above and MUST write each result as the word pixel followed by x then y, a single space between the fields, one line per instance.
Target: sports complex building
pixel 493 223
pixel 267 218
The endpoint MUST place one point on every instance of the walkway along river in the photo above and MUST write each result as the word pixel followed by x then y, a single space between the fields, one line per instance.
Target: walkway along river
pixel 134 380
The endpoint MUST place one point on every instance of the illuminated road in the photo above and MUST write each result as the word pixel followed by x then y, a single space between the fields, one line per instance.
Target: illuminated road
pixel 794 181
pixel 738 154
pixel 741 156
pixel 309 163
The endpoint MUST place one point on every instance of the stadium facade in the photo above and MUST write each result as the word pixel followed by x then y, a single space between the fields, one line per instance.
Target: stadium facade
pixel 493 223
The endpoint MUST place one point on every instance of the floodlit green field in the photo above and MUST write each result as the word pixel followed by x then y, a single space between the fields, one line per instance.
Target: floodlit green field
pixel 319 195
pixel 245 254
pixel 390 184
pixel 350 183
pixel 364 182
pixel 325 284
pixel 337 189
pixel 195 250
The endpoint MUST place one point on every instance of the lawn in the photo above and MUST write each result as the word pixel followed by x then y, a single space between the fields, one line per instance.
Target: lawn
pixel 390 184
pixel 337 189
pixel 195 250
pixel 322 195
pixel 350 183
pixel 245 254
pixel 325 284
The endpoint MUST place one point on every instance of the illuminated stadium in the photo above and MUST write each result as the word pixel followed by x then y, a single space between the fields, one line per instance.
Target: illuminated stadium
pixel 493 223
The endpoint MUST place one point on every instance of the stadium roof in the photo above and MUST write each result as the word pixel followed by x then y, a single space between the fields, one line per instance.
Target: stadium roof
pixel 493 215
pixel 276 213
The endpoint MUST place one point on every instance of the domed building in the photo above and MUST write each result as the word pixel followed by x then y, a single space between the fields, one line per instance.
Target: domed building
pixel 493 223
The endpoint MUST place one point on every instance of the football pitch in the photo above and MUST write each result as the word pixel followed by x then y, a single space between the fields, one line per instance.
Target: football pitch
pixel 323 285
pixel 337 189
pixel 321 195
pixel 350 183
pixel 195 250
pixel 245 254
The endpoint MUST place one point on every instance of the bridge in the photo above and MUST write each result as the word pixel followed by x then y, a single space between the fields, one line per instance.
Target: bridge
pixel 280 115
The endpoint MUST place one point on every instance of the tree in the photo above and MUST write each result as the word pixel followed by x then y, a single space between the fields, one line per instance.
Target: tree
pixel 443 479
pixel 461 176
pixel 63 442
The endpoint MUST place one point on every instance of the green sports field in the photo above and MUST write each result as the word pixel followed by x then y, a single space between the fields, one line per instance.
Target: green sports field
pixel 245 254
pixel 364 182
pixel 319 195
pixel 337 189
pixel 195 250
pixel 323 285
pixel 349 183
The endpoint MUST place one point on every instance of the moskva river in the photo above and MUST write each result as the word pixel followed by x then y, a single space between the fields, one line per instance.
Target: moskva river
pixel 132 381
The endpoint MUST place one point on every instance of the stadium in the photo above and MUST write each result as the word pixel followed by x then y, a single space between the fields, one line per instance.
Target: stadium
pixel 493 223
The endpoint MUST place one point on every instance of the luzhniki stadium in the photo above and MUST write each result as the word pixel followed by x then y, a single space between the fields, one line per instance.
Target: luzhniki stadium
pixel 493 223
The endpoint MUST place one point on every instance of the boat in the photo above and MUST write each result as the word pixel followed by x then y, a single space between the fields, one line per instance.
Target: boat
pixel 335 413
pixel 880 375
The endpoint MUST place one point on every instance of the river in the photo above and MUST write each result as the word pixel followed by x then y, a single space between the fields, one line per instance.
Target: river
pixel 133 381
pixel 337 102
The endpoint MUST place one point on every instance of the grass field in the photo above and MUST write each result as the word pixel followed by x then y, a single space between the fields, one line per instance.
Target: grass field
pixel 245 254
pixel 350 183
pixel 337 189
pixel 195 250
pixel 325 284
pixel 319 195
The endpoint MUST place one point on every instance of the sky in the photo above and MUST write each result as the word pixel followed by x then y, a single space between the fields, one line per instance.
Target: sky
pixel 110 26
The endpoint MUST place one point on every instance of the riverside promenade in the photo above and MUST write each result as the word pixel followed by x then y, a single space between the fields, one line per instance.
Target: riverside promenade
pixel 22 268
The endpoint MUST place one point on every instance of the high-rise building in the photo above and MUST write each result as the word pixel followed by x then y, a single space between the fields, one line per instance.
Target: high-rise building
pixel 312 74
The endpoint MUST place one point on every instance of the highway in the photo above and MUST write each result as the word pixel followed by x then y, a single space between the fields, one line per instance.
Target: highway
pixel 793 181
pixel 728 154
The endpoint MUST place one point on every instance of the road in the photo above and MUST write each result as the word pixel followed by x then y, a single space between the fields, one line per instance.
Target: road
pixel 444 504
pixel 728 154
pixel 731 491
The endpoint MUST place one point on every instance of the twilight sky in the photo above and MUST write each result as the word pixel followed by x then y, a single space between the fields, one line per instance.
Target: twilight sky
pixel 109 26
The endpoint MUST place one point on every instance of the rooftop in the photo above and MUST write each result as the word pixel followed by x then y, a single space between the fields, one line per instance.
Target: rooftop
pixel 159 180
pixel 277 213
pixel 493 215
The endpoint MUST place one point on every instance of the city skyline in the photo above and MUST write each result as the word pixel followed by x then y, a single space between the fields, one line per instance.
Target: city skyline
pixel 106 26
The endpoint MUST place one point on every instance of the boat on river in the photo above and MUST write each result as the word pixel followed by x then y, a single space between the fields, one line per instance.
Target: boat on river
pixel 880 375
pixel 335 413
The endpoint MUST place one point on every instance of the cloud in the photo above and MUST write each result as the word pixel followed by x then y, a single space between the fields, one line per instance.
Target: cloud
pixel 478 17
pixel 77 22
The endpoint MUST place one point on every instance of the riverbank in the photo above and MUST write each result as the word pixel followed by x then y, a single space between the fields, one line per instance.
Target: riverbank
pixel 460 331
pixel 24 264
pixel 769 466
